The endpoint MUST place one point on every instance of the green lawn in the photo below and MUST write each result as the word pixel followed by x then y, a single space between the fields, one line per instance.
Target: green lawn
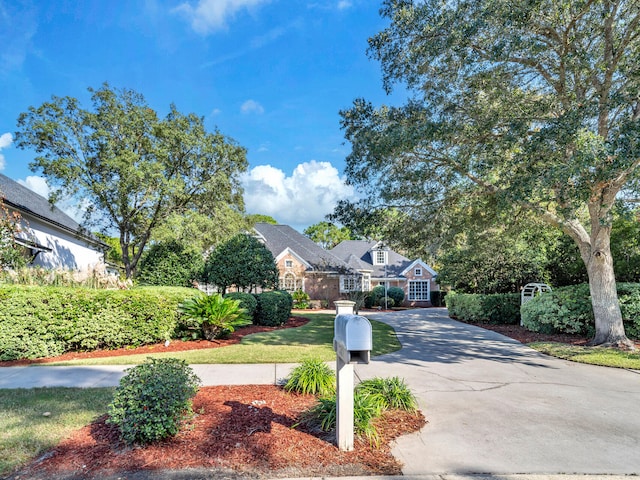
pixel 607 357
pixel 34 420
pixel 291 345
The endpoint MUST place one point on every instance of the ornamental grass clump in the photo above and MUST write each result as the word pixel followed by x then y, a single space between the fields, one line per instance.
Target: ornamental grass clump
pixel 313 377
pixel 390 393
pixel 153 400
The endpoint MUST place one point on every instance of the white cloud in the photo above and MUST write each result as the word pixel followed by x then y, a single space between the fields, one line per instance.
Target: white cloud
pixel 251 106
pixel 36 184
pixel 302 199
pixel 6 139
pixel 207 16
pixel 344 4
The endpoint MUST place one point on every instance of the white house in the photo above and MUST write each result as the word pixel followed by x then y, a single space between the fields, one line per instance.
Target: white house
pixel 51 238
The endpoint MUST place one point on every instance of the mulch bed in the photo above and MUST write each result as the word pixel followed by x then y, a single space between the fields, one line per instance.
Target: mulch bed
pixel 250 430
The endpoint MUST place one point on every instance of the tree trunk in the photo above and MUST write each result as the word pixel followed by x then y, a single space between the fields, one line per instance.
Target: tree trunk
pixel 604 297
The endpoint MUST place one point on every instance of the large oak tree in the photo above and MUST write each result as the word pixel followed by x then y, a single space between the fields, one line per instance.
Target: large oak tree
pixel 532 106
pixel 132 169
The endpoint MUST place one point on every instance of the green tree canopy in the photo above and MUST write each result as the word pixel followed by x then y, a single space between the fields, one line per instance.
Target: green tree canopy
pixel 327 235
pixel 170 264
pixel 132 169
pixel 534 105
pixel 242 262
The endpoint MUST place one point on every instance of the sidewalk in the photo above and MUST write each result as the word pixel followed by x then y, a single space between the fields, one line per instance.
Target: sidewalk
pixel 110 375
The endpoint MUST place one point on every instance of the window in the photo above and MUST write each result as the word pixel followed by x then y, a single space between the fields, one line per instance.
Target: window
pixel 288 264
pixel 288 282
pixel 419 290
pixel 349 283
pixel 379 257
pixel 366 282
pixel 418 272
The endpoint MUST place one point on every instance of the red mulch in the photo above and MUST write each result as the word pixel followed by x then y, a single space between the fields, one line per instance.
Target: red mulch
pixel 174 346
pixel 249 430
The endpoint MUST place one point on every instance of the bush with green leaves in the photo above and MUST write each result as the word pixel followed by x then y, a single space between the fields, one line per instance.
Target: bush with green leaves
pixel 397 294
pixel 300 299
pixel 47 321
pixel 153 400
pixel 216 315
pixel 312 377
pixel 391 393
pixel 386 302
pixel 274 308
pixel 495 308
pixel 569 310
pixel 170 264
pixel 370 400
pixel 247 301
pixel 374 295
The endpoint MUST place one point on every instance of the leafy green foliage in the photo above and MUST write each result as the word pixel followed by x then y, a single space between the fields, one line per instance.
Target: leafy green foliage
pixel 134 169
pixel 300 299
pixel 568 310
pixel 386 302
pixel 274 308
pixel 502 118
pixel 396 294
pixel 390 393
pixel 47 321
pixel 496 308
pixel 374 296
pixel 247 301
pixel 11 254
pixel 153 400
pixel 216 315
pixel 370 400
pixel 170 264
pixel 244 262
pixel 328 235
pixel 313 377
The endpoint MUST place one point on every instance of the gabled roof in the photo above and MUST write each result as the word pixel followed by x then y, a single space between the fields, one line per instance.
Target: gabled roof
pixel 26 201
pixel 361 250
pixel 278 238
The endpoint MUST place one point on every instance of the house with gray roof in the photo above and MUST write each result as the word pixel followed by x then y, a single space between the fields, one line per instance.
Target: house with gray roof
pixel 306 266
pixel 50 237
pixel 386 266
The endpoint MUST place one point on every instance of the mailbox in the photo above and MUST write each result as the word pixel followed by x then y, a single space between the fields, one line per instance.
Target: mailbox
pixel 352 339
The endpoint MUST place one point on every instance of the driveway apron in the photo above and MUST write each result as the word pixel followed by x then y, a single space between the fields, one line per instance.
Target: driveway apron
pixel 496 406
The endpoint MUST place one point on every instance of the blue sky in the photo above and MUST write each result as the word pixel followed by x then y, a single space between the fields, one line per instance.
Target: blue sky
pixel 271 74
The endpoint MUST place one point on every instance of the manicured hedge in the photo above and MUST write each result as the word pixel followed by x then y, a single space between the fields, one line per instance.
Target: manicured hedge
pixel 569 310
pixel 274 308
pixel 247 301
pixel 495 308
pixel 46 321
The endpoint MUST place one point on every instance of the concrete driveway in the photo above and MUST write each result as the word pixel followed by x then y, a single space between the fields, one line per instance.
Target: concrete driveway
pixel 496 406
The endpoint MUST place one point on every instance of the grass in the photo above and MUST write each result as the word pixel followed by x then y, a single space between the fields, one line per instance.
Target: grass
pixel 607 357
pixel 292 345
pixel 27 430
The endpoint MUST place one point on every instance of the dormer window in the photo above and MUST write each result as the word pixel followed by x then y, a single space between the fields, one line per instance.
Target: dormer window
pixel 379 257
pixel 288 263
pixel 418 272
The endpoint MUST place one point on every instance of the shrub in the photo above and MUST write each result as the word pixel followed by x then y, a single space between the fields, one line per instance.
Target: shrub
pixel 153 399
pixel 397 294
pixel 247 301
pixel 312 377
pixel 390 393
pixel 437 298
pixel 496 308
pixel 569 310
pixel 274 308
pixel 170 264
pixel 216 315
pixel 300 299
pixel 47 321
pixel 386 302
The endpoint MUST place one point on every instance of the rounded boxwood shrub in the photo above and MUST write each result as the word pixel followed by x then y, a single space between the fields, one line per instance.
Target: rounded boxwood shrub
pixel 397 294
pixel 153 399
pixel 371 300
pixel 386 302
pixel 247 301
pixel 274 308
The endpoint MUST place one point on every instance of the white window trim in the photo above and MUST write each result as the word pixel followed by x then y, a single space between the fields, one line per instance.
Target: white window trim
pixel 417 271
pixel 411 293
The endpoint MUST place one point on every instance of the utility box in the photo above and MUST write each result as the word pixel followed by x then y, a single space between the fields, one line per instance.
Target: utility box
pixel 352 338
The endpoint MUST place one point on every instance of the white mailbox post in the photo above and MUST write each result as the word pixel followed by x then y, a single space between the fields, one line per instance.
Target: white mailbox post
pixel 352 341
